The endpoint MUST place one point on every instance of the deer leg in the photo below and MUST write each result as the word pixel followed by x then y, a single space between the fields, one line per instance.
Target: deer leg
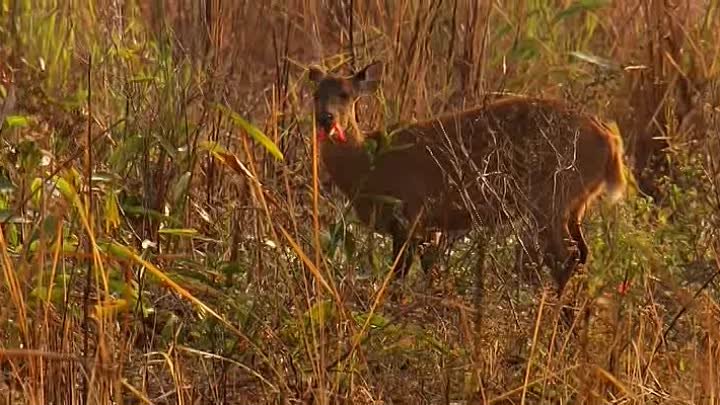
pixel 561 262
pixel 431 252
pixel 577 234
pixel 401 232
pixel 399 237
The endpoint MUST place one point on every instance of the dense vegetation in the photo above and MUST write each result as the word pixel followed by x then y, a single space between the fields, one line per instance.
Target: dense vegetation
pixel 167 235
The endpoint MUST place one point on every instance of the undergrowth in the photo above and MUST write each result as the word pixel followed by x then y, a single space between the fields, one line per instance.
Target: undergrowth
pixel 163 239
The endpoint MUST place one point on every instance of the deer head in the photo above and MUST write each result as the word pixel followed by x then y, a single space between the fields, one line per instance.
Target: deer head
pixel 335 96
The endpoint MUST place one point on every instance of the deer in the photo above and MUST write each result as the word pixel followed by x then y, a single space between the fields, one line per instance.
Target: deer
pixel 483 166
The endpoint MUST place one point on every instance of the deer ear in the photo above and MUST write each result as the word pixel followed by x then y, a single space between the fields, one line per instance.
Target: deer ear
pixel 367 79
pixel 315 73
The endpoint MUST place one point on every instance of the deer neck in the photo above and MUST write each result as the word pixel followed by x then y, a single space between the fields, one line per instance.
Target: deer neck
pixel 355 137
pixel 347 163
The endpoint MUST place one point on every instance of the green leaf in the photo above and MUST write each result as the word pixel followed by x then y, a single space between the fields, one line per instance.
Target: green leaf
pixel 333 237
pixel 213 147
pixel 179 190
pixel 117 250
pixel 596 60
pixel 386 199
pixel 525 49
pixel 321 312
pixel 6 186
pixel 377 320
pixel 179 231
pixel 142 79
pixel 103 177
pixel 580 6
pixel 126 151
pixel 17 121
pixel 166 145
pixel 68 191
pixel 232 270
pixel 137 210
pixel 112 212
pixel 253 131
pixel 371 146
pixel 396 148
pixel 41 293
pixel 169 329
pixel 35 190
pixel 225 157
pixel 120 288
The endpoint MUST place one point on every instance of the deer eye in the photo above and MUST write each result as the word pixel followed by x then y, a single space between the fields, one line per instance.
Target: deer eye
pixel 344 96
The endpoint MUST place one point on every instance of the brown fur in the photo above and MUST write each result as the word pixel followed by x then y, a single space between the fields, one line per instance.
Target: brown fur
pixel 487 165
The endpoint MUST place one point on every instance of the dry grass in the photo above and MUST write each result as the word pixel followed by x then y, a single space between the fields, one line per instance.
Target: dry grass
pixel 154 249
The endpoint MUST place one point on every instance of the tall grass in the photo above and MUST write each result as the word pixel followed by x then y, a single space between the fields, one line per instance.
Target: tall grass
pixel 168 236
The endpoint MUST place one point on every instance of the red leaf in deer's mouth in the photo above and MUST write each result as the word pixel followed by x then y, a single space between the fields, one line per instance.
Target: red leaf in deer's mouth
pixel 336 133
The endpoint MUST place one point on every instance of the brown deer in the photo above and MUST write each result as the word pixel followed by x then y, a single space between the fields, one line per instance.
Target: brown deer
pixel 483 166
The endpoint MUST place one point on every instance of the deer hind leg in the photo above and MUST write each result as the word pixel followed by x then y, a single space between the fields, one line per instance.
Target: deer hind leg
pixel 432 250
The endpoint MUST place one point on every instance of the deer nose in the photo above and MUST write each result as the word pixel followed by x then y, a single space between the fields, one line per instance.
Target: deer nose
pixel 326 120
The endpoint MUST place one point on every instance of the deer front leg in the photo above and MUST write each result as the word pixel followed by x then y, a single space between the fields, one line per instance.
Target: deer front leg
pixel 558 255
pixel 405 226
pixel 575 228
pixel 400 236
